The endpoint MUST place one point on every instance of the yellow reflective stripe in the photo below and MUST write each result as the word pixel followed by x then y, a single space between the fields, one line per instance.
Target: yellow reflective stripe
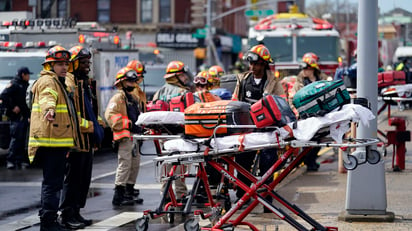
pixel 35 107
pixel 51 142
pixel 121 134
pixel 61 108
pixel 99 118
pixel 51 91
pixel 84 123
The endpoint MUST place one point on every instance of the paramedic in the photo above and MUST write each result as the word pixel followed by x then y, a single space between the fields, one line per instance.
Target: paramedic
pixel 177 83
pixel 53 131
pixel 14 99
pixel 250 87
pixel 310 73
pixel 80 162
pixel 121 114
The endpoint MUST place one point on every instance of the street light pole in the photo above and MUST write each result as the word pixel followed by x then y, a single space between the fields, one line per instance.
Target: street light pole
pixel 209 31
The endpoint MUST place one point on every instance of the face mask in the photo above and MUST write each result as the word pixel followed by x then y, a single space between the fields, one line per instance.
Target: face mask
pixel 129 88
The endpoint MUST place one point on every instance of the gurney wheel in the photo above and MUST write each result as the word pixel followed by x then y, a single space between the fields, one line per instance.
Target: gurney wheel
pixel 142 224
pixel 191 225
pixel 353 162
pixel 374 157
pixel 171 216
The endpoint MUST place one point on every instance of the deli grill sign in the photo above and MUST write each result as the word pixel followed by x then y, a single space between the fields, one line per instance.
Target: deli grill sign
pixel 176 40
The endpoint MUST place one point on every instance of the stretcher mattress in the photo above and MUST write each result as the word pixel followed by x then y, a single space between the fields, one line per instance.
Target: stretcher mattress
pixel 404 91
pixel 336 121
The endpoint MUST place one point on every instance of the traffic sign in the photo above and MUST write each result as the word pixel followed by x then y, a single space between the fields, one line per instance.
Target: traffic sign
pixel 199 36
pixel 259 13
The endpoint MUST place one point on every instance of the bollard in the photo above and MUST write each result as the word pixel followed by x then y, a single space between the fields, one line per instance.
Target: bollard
pixel 398 138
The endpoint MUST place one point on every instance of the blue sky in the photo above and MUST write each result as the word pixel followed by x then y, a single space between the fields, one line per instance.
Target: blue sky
pixel 384 5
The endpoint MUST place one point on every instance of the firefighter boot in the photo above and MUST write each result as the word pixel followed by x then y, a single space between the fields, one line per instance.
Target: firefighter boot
pixel 132 193
pixel 119 198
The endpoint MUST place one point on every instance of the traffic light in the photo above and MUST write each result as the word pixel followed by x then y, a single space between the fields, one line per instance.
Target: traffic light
pixel 197 10
pixel 116 40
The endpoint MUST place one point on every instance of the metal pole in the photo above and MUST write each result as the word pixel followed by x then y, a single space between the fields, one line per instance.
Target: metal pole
pixel 209 31
pixel 366 189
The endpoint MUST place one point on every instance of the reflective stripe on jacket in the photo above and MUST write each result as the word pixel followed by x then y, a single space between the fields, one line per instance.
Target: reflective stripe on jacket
pixel 49 94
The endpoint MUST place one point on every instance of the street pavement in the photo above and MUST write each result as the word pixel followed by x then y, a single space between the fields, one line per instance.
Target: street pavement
pixel 321 195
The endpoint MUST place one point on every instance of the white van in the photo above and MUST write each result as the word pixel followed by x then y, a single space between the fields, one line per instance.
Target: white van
pixel 401 53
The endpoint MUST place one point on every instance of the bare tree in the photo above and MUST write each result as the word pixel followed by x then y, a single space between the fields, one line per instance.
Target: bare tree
pixel 341 11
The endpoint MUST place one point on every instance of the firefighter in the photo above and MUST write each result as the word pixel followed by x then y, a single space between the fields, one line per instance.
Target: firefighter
pixel 201 81
pixel 310 73
pixel 53 131
pixel 177 82
pixel 250 87
pixel 80 162
pixel 121 114
pixel 137 66
pixel 215 73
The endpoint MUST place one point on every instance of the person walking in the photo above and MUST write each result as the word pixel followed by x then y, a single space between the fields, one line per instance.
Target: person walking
pixel 250 87
pixel 80 162
pixel 310 73
pixel 53 132
pixel 121 114
pixel 14 99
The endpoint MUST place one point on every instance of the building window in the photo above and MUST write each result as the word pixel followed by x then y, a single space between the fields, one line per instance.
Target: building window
pixel 5 5
pixel 164 11
pixel 103 11
pixel 146 12
pixel 62 9
pixel 45 8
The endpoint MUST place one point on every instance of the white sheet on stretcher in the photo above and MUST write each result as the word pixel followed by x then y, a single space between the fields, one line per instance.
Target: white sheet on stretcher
pixel 404 90
pixel 337 121
pixel 161 117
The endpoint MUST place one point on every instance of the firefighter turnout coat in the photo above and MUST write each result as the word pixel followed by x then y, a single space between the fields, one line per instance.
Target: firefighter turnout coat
pixel 49 94
pixel 76 89
pixel 116 115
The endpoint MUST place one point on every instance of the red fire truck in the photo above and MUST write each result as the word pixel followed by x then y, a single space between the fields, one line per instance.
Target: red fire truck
pixel 289 36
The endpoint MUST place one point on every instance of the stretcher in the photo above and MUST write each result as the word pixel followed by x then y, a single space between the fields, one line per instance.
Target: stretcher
pixel 217 152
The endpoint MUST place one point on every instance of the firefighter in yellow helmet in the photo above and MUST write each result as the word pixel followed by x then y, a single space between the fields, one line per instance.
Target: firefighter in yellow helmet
pixel 215 72
pixel 121 114
pixel 177 82
pixel 53 131
pixel 250 87
pixel 80 162
pixel 140 71
pixel 310 73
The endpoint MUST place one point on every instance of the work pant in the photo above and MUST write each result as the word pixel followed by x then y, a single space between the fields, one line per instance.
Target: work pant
pixel 128 157
pixel 311 157
pixel 17 149
pixel 77 182
pixel 53 162
pixel 180 184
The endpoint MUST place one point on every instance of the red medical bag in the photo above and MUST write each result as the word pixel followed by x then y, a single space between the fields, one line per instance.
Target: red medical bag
pixel 271 110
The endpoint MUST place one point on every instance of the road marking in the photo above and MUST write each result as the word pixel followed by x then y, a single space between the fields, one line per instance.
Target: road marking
pixel 21 224
pixel 114 172
pixel 115 221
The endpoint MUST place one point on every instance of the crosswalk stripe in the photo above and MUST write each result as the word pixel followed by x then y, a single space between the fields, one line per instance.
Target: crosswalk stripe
pixel 115 221
pixel 21 224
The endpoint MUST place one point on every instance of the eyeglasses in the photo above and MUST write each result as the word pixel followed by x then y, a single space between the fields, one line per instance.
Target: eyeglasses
pixel 200 80
pixel 60 55
pixel 252 57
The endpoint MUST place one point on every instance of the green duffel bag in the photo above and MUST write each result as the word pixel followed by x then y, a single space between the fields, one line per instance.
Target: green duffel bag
pixel 320 97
